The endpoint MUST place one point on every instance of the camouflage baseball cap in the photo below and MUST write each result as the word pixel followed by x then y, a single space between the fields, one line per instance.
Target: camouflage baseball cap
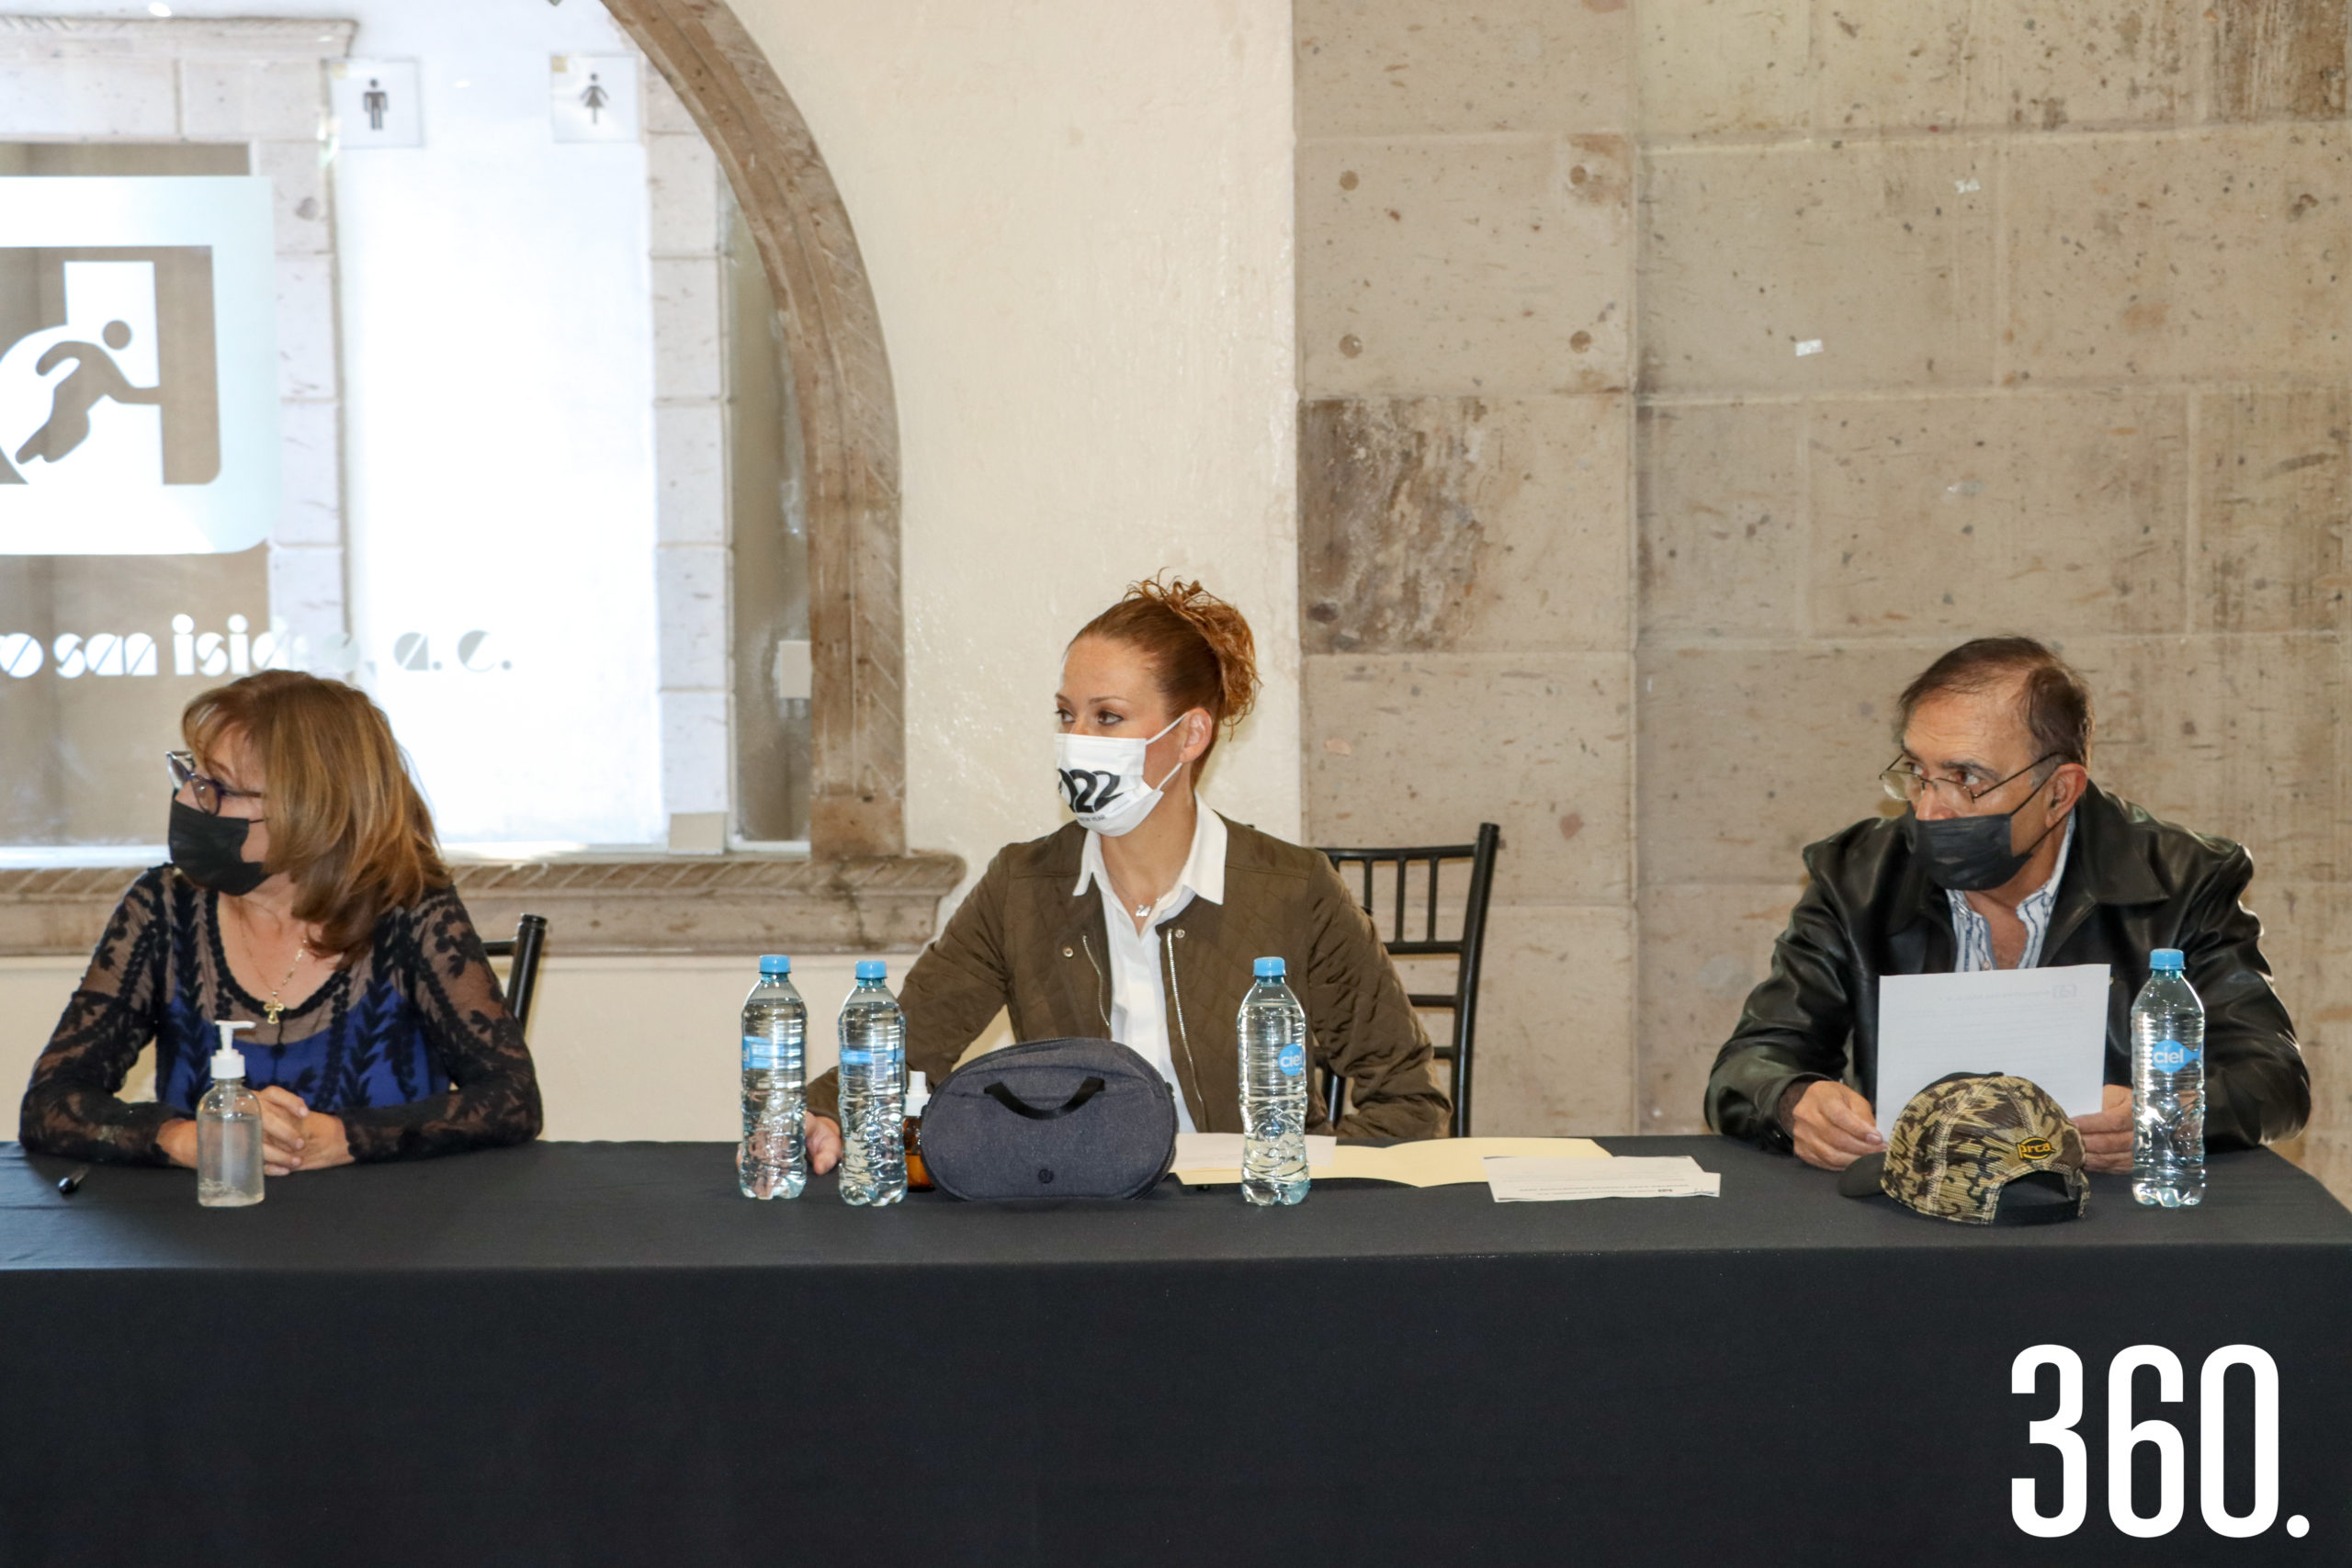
pixel 1977 1148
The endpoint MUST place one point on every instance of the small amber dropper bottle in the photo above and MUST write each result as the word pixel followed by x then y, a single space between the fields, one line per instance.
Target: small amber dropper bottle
pixel 918 1096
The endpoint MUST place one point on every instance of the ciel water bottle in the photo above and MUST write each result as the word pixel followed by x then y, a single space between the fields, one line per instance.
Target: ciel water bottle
pixel 227 1130
pixel 874 1091
pixel 2167 1087
pixel 772 1159
pixel 1272 1031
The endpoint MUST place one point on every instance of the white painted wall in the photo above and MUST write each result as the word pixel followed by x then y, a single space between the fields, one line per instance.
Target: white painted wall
pixel 1078 219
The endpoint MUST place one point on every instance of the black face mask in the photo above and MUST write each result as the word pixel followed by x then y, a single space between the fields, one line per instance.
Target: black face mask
pixel 210 850
pixel 1969 855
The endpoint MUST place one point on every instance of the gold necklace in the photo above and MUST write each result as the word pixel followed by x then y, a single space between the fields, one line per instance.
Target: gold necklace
pixel 274 1009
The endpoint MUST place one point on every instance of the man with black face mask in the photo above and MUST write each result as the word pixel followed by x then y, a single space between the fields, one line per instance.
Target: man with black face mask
pixel 2008 856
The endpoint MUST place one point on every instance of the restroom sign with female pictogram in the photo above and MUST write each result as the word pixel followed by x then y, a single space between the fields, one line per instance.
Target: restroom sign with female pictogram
pixel 593 97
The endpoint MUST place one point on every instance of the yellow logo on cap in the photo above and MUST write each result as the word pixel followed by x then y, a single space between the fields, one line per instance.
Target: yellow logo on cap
pixel 2036 1148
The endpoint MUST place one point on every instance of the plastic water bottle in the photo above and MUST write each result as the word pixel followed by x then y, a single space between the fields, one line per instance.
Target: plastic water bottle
pixel 874 1091
pixel 227 1130
pixel 2167 1087
pixel 1272 1029
pixel 772 1159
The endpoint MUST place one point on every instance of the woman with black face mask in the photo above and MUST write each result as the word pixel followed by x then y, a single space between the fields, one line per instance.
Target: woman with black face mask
pixel 305 895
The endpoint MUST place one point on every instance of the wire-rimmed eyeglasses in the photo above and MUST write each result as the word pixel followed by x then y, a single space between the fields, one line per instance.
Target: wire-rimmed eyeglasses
pixel 1903 782
pixel 204 790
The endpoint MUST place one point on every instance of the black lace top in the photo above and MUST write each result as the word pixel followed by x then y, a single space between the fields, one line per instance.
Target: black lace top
pixel 409 1042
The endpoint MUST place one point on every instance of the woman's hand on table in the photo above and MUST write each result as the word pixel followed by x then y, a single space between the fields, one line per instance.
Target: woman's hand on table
pixel 297 1137
pixel 177 1140
pixel 282 1114
pixel 294 1137
pixel 824 1135
pixel 324 1144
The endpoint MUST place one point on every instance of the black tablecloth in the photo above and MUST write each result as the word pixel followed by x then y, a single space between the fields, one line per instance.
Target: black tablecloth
pixel 599 1353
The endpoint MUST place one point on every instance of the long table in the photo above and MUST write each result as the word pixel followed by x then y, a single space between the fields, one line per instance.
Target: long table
pixel 600 1354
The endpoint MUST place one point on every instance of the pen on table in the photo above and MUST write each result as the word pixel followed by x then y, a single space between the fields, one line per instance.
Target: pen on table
pixel 70 1182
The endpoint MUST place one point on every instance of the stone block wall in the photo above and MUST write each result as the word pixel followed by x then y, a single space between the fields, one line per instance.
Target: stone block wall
pixel 1928 321
pixel 1466 289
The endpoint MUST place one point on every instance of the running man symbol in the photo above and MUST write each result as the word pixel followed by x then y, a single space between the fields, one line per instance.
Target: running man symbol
pixel 95 376
pixel 594 99
pixel 376 101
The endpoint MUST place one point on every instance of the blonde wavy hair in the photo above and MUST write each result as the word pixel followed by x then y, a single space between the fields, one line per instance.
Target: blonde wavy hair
pixel 346 821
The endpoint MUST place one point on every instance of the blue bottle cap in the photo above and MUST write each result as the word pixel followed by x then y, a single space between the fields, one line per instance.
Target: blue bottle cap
pixel 1267 968
pixel 871 969
pixel 775 964
pixel 2164 959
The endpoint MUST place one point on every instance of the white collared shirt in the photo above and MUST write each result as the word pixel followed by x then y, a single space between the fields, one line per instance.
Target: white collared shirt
pixel 1138 994
pixel 1975 932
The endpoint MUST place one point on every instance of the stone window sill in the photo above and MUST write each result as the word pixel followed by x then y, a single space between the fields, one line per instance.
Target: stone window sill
pixel 646 904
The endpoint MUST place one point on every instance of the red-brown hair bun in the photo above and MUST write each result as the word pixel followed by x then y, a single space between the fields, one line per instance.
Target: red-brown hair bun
pixel 1200 648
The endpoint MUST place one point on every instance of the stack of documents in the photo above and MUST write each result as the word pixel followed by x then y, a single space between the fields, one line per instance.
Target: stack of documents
pixel 1215 1158
pixel 1206 1159
pixel 1525 1180
pixel 2047 1025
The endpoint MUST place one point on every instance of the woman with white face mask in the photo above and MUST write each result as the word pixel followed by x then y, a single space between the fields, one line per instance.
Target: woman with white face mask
pixel 1138 920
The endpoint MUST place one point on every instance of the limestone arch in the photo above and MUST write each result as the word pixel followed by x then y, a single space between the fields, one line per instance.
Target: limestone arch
pixel 848 412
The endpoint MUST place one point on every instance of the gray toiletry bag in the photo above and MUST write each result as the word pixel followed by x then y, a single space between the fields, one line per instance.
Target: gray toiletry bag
pixel 1051 1119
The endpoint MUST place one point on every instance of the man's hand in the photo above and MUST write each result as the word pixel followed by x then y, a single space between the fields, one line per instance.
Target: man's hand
pixel 824 1137
pixel 1833 1126
pixel 282 1114
pixel 2107 1137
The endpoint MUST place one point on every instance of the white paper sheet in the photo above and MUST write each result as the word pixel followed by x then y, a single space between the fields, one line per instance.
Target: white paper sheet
pixel 2049 1025
pixel 1521 1179
pixel 1199 1152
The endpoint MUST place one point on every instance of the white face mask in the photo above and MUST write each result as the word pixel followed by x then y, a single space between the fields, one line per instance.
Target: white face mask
pixel 1101 779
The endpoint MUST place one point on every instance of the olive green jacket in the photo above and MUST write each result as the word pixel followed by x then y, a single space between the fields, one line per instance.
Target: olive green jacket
pixel 1021 942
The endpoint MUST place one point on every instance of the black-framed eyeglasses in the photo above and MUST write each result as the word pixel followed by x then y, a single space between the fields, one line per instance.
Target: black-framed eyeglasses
pixel 204 790
pixel 1903 782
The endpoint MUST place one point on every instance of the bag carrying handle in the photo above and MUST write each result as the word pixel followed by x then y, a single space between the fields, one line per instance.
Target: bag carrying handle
pixel 1020 1107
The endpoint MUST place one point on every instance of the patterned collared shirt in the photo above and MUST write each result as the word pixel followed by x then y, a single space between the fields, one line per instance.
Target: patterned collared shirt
pixel 1975 933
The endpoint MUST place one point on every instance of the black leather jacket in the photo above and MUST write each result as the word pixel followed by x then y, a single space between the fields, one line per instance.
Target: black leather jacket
pixel 2131 883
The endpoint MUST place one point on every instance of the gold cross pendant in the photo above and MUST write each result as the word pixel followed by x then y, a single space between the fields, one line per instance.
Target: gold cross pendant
pixel 270 1013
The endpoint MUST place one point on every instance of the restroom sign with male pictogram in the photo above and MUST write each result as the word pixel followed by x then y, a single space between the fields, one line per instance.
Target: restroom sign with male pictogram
pixel 138 365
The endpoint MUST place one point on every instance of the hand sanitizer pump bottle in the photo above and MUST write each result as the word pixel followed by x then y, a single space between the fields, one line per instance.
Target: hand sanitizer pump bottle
pixel 227 1130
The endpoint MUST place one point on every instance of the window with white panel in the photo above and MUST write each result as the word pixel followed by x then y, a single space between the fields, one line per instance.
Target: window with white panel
pixel 422 347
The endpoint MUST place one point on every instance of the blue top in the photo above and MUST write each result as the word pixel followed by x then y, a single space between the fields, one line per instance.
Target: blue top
pixel 775 964
pixel 369 1051
pixel 871 969
pixel 1267 968
pixel 408 1041
pixel 2165 958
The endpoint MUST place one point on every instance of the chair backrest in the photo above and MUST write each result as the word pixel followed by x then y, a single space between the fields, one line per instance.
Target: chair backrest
pixel 1375 866
pixel 523 974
